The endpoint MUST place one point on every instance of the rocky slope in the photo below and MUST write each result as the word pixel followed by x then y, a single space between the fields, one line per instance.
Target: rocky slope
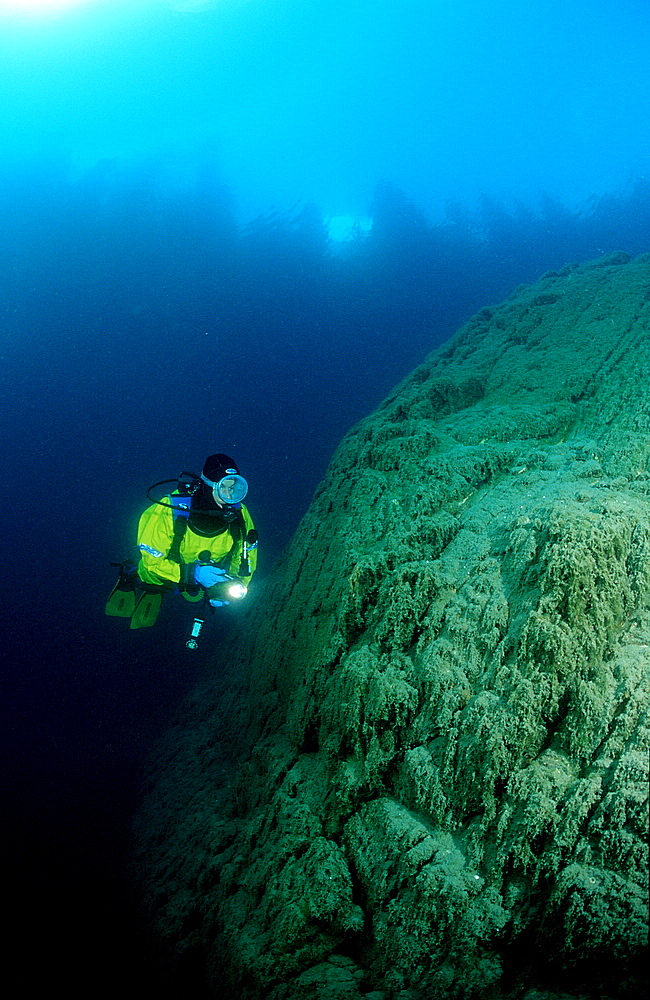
pixel 426 774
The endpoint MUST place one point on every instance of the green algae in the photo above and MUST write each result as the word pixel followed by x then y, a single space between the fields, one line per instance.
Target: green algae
pixel 428 775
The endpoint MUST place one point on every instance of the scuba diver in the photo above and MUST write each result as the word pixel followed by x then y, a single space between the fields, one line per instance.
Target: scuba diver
pixel 198 541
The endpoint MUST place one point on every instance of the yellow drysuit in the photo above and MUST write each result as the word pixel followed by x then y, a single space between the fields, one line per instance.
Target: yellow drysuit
pixel 156 534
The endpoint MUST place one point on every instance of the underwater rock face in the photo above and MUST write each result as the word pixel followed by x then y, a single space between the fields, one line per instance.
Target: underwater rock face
pixel 427 775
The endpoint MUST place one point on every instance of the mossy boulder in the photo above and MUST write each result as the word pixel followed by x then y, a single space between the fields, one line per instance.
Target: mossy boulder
pixel 425 775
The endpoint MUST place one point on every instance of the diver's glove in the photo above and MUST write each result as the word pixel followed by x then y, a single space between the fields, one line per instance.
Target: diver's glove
pixel 219 604
pixel 207 575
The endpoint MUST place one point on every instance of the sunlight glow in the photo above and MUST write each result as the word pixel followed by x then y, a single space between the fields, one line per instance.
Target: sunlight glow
pixel 49 8
pixel 38 7
pixel 342 228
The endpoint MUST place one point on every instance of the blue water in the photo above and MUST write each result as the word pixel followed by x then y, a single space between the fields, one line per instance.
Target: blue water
pixel 168 289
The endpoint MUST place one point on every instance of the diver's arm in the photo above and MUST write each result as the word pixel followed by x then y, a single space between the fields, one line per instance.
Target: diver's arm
pixel 155 535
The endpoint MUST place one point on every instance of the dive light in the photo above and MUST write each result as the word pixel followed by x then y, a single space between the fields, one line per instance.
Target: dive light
pixel 229 590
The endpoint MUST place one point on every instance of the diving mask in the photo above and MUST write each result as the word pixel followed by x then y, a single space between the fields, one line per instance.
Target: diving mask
pixel 229 490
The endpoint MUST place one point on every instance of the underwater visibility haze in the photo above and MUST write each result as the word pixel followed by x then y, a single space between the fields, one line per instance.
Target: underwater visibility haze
pixel 235 226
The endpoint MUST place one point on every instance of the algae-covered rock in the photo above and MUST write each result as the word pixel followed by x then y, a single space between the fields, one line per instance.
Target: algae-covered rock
pixel 426 774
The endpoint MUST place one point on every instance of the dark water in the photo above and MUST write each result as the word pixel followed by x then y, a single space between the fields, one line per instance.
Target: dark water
pixel 138 335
